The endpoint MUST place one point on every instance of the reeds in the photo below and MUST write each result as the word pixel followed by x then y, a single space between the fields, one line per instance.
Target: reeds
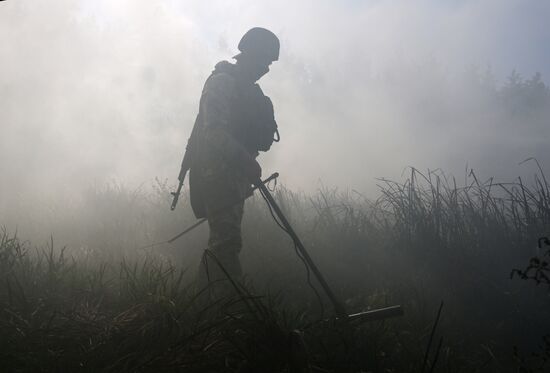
pixel 96 308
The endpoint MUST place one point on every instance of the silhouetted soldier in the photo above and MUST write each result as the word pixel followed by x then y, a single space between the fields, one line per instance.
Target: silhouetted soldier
pixel 234 123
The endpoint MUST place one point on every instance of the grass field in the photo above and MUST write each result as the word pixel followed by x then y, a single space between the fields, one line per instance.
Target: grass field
pixel 94 299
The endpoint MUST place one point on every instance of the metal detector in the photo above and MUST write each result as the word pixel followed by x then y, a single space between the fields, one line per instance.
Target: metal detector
pixel 339 307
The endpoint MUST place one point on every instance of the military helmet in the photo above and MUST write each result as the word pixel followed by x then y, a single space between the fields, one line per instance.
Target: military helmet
pixel 260 42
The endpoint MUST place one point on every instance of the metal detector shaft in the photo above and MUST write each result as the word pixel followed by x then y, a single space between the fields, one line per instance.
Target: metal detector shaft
pixel 338 306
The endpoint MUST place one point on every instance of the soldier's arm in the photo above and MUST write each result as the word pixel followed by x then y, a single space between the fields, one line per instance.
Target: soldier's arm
pixel 216 104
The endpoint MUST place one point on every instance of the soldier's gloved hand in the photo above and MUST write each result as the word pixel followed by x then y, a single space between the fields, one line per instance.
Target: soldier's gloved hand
pixel 252 170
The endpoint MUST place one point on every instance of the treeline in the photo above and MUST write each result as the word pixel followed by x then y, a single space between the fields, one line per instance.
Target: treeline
pixel 521 95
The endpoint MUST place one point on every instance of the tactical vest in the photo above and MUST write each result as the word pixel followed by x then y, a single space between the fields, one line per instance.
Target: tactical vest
pixel 252 121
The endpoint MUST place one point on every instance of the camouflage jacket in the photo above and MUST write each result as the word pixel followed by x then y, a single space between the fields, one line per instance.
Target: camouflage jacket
pixel 235 120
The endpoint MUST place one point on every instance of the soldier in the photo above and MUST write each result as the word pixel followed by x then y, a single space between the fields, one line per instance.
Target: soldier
pixel 235 122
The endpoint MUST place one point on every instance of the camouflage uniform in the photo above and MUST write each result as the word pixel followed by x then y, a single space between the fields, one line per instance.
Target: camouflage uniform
pixel 226 127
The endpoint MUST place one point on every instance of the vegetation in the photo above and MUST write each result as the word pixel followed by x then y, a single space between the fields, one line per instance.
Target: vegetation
pixel 109 303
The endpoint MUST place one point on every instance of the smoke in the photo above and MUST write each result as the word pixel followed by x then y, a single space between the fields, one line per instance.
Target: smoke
pixel 98 91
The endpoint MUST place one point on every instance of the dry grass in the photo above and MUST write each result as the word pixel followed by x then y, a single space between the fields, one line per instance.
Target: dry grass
pixel 95 307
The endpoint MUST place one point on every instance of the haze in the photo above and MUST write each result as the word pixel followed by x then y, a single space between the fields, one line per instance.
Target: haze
pixel 92 92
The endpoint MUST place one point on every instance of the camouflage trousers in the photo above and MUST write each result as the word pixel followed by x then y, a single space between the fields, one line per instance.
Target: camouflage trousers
pixel 221 193
pixel 220 260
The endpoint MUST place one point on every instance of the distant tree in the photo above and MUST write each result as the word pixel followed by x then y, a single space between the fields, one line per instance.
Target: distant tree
pixel 536 91
pixel 514 80
pixel 522 96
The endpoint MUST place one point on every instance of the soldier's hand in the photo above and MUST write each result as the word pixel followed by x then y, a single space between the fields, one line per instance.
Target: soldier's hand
pixel 253 171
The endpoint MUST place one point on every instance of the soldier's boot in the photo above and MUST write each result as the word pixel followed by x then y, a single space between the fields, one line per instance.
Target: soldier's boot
pixel 219 270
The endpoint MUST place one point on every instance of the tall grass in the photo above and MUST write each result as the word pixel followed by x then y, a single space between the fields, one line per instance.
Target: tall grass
pixel 105 304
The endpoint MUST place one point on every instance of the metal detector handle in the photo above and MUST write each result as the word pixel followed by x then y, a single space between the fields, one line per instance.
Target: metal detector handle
pixel 338 306
pixel 266 181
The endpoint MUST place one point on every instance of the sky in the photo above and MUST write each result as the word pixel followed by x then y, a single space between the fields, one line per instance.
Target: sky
pixel 98 91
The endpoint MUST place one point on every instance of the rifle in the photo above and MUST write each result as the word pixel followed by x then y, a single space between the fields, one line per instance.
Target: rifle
pixel 250 192
pixel 185 166
pixel 195 225
pixel 186 162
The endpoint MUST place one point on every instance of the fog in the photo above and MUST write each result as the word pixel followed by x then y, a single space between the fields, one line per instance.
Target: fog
pixel 103 91
pixel 98 98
